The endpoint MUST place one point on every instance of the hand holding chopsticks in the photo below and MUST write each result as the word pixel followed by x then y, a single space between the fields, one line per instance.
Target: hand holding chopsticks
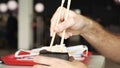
pixel 58 20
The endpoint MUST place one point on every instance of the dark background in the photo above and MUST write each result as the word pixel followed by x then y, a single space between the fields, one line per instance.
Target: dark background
pixel 106 12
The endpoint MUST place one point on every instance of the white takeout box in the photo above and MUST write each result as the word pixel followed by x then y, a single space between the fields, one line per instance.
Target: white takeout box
pixel 74 51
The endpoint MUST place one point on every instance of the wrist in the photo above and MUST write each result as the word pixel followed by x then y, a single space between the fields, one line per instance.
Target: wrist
pixel 88 25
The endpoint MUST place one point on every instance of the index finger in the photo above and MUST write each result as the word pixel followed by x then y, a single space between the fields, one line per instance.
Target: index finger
pixel 57 17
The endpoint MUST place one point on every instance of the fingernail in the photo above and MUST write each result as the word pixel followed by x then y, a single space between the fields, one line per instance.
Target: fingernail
pixel 66 37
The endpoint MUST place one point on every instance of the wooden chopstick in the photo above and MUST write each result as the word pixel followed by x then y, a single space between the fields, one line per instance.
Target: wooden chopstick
pixel 63 34
pixel 58 19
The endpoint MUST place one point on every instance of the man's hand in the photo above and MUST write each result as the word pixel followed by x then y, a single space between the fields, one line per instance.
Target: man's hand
pixel 48 62
pixel 74 25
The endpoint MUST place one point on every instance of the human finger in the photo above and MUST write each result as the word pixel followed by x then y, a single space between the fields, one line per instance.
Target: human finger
pixel 41 66
pixel 79 64
pixel 64 25
pixel 66 36
pixel 54 19
pixel 45 60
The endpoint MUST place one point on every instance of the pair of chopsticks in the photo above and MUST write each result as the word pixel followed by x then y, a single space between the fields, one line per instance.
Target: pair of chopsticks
pixel 58 20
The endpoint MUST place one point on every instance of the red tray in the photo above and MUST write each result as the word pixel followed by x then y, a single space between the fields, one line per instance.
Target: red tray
pixel 11 60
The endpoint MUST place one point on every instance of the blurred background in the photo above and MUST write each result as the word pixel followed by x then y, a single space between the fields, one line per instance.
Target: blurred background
pixel 106 12
pixel 18 29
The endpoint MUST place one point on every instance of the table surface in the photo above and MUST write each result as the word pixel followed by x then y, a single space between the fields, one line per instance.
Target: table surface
pixel 96 61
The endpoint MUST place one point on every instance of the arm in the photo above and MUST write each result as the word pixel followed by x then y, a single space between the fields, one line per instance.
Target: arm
pixel 103 41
